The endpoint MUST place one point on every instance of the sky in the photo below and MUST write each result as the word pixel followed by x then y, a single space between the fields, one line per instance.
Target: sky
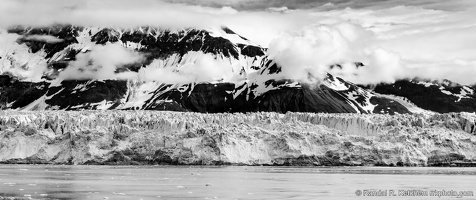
pixel 395 38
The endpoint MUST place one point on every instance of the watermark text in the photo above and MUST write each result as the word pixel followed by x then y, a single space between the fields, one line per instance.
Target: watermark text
pixel 413 193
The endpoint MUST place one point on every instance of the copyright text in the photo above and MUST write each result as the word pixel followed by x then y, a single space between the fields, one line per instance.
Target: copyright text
pixel 414 193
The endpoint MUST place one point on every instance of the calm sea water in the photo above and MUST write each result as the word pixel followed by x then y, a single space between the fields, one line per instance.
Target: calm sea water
pixel 172 182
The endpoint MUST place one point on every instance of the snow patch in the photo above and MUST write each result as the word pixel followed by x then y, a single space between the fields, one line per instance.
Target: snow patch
pixel 141 94
pixel 442 89
pixel 234 38
pixel 463 93
pixel 103 105
pixel 426 84
pixel 365 105
pixel 336 85
pixel 133 45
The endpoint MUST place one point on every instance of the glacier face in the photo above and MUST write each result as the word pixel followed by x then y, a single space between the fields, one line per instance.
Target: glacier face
pixel 262 138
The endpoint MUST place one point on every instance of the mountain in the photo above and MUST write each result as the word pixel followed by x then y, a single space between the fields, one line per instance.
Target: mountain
pixel 439 96
pixel 255 82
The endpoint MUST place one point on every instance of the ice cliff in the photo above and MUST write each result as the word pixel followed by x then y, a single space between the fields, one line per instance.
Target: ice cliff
pixel 154 137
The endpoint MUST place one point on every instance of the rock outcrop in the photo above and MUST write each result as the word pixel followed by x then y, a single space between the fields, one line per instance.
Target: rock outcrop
pixel 442 97
pixel 153 137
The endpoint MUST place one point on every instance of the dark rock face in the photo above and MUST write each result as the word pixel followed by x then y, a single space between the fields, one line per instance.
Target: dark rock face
pixel 67 33
pixel 205 97
pixel 159 43
pixel 65 97
pixel 211 98
pixel 215 98
pixel 251 51
pixel 442 98
pixel 305 99
pixel 171 42
pixel 388 106
pixel 19 93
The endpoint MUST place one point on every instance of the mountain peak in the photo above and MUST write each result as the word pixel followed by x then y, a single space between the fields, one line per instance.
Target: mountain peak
pixel 212 70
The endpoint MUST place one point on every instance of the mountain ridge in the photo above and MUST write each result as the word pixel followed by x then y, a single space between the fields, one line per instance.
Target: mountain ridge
pixel 255 83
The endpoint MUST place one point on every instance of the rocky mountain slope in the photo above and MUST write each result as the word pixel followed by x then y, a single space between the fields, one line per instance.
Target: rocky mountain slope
pixel 442 97
pixel 264 138
pixel 255 84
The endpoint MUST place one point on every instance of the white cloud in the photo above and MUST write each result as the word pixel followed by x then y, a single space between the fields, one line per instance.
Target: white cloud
pixel 42 38
pixel 429 38
pixel 205 68
pixel 427 41
pixel 308 55
pixel 101 62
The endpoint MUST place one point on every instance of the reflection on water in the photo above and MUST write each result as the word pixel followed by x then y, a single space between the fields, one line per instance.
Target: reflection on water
pixel 179 182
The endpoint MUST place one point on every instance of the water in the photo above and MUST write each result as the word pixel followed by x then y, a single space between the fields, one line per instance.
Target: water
pixel 177 182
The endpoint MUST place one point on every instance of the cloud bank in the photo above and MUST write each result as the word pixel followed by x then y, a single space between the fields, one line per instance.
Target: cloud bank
pixel 204 69
pixel 42 38
pixel 394 39
pixel 101 62
pixel 324 4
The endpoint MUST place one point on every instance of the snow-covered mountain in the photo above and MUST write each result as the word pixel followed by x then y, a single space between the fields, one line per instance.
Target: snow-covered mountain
pixel 248 80
pixel 439 96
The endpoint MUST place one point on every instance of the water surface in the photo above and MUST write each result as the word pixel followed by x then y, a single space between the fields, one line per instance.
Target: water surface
pixel 185 182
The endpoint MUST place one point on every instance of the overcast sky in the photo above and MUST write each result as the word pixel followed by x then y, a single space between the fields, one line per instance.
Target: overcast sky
pixel 310 4
pixel 397 38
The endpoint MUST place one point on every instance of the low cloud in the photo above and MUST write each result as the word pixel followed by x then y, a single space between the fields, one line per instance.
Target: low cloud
pixel 394 39
pixel 101 62
pixel 42 38
pixel 105 62
pixel 307 55
pixel 428 43
pixel 325 4
pixel 119 13
pixel 205 68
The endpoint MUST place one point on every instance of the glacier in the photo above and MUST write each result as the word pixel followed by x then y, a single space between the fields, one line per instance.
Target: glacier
pixel 258 138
